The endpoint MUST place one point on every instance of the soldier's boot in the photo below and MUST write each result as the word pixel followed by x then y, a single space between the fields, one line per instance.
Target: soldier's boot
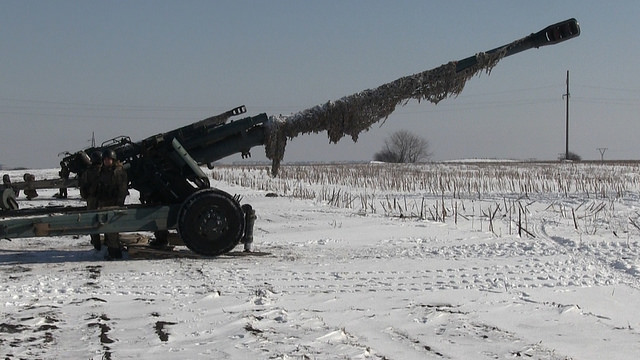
pixel 161 240
pixel 114 251
pixel 95 241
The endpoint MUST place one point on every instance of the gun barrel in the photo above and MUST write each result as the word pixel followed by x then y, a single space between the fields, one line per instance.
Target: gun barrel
pixel 353 114
pixel 550 35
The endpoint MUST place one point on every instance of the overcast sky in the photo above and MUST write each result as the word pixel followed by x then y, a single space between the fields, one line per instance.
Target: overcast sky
pixel 137 68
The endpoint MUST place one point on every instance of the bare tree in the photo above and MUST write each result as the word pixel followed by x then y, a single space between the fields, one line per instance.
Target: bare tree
pixel 570 156
pixel 403 147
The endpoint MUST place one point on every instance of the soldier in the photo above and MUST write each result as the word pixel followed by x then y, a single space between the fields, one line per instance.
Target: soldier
pixel 6 182
pixel 111 191
pixel 64 175
pixel 29 190
pixel 89 189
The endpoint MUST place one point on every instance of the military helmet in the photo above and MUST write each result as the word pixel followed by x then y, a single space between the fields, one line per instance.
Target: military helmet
pixel 96 157
pixel 109 153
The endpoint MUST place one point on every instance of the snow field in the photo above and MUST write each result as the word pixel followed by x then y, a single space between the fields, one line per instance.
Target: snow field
pixel 342 282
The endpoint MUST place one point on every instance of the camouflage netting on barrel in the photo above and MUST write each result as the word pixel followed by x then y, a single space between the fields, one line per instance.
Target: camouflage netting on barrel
pixel 353 114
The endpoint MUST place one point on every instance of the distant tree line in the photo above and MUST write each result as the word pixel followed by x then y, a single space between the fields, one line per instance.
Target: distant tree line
pixel 406 147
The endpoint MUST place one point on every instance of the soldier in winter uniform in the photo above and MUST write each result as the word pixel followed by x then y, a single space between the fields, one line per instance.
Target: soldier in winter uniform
pixel 64 175
pixel 6 183
pixel 111 191
pixel 89 189
pixel 29 190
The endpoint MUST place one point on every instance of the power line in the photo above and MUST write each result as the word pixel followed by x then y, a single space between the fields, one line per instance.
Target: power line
pixel 609 101
pixel 107 106
pixel 126 107
pixel 38 107
pixel 605 88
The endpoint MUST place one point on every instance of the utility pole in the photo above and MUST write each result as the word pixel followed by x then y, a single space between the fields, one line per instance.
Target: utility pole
pixel 566 152
pixel 602 150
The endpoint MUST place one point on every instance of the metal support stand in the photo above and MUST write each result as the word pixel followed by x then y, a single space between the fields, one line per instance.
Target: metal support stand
pixel 250 219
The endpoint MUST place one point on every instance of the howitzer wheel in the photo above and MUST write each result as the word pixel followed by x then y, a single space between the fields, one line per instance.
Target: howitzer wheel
pixel 210 222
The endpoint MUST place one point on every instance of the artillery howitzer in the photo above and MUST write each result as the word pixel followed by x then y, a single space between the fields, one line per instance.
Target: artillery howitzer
pixel 174 191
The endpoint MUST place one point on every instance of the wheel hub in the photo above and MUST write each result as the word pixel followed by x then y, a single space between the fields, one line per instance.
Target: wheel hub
pixel 213 224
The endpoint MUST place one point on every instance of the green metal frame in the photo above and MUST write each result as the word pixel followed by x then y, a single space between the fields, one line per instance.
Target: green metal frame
pixel 81 222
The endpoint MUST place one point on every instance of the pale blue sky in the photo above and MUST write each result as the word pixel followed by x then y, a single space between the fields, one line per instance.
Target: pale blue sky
pixel 137 68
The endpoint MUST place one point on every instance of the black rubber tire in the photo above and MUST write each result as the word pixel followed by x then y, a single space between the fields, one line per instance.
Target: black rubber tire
pixel 210 222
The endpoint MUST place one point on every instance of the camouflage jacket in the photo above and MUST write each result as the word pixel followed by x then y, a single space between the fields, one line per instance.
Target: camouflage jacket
pixel 89 182
pixel 112 185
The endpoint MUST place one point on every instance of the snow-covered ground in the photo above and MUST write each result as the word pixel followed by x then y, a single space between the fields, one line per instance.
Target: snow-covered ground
pixel 343 283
